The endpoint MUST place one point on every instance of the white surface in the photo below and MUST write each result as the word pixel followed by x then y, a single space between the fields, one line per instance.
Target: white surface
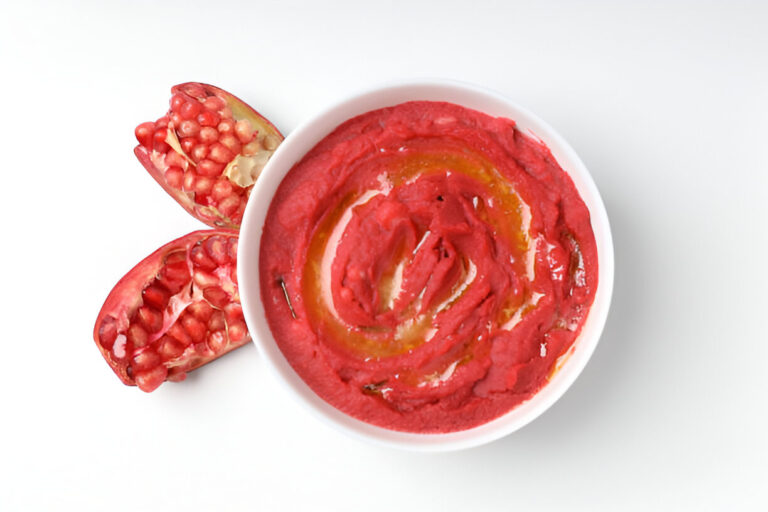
pixel 666 104
pixel 315 128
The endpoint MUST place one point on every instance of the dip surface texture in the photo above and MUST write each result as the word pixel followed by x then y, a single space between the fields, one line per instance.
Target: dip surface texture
pixel 425 267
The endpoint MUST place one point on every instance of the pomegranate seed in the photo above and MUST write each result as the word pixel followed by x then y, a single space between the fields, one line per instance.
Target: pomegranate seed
pixel 189 128
pixel 169 348
pixel 216 247
pixel 215 296
pixel 217 322
pixel 176 119
pixel 208 118
pixel 144 134
pixel 270 142
pixel 210 168
pixel 226 113
pixel 174 159
pixel 136 335
pixel 194 327
pixel 200 259
pixel 229 206
pixel 244 131
pixel 199 152
pixel 177 100
pixel 251 148
pixel 174 176
pixel 217 340
pixel 231 143
pixel 160 134
pixel 145 359
pixel 149 380
pixel 176 377
pixel 219 153
pixel 187 144
pixel 155 295
pixel 201 309
pixel 208 134
pixel 233 314
pixel 232 249
pixel 214 103
pixel 119 347
pixel 190 109
pixel 189 180
pixel 237 331
pixel 162 123
pixel 178 333
pixel 203 185
pixel 175 257
pixel 108 332
pixel 204 279
pixel 195 90
pixel 174 276
pixel 222 189
pixel 226 126
pixel 150 318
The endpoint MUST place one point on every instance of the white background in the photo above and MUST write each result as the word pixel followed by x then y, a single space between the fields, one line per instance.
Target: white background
pixel 667 104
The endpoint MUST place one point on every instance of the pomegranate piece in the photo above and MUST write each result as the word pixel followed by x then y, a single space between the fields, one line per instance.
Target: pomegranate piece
pixel 207 139
pixel 175 311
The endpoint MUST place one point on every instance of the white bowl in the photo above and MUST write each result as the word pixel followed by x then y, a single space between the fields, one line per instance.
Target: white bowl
pixel 316 128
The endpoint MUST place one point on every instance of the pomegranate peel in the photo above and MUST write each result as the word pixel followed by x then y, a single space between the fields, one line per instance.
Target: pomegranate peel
pixel 209 138
pixel 175 311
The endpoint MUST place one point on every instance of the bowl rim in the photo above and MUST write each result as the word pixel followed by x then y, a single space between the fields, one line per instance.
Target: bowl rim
pixel 311 131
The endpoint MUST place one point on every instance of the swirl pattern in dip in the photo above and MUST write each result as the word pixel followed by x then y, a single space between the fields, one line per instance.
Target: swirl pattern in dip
pixel 425 266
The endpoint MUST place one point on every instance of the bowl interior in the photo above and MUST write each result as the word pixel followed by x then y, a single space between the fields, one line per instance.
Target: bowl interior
pixel 302 140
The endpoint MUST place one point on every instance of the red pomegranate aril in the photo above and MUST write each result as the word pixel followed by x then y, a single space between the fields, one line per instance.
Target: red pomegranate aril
pixel 229 205
pixel 137 336
pixel 176 119
pixel 214 103
pixel 201 310
pixel 174 176
pixel 208 118
pixel 203 185
pixel 149 380
pixel 190 109
pixel 208 134
pixel 155 295
pixel 145 359
pixel 194 89
pixel 188 183
pixel 177 100
pixel 160 134
pixel 232 249
pixel 237 331
pixel 217 322
pixel 234 312
pixel 177 332
pixel 244 131
pixel 108 332
pixel 215 296
pixel 219 153
pixel 162 122
pixel 145 133
pixel 199 152
pixel 231 143
pixel 222 189
pixel 174 159
pixel 194 327
pixel 150 318
pixel 187 144
pixel 217 340
pixel 209 167
pixel 204 279
pixel 189 128
pixel 226 126
pixel 216 248
pixel 200 259
pixel 168 348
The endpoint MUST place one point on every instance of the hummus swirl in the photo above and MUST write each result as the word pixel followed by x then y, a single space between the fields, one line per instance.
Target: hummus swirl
pixel 424 267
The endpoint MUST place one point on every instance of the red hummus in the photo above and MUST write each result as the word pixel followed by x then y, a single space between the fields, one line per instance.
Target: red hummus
pixel 424 266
